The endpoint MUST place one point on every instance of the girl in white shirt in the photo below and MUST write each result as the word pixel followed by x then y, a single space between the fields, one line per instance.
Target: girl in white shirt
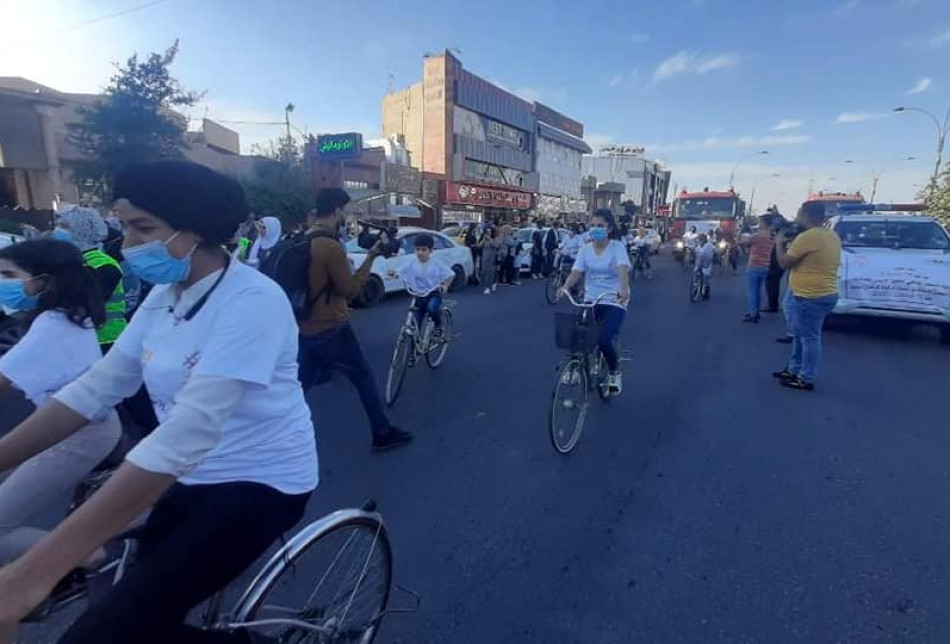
pixel 233 462
pixel 605 267
pixel 49 281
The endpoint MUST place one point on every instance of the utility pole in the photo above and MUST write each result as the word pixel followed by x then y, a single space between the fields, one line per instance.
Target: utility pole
pixel 287 111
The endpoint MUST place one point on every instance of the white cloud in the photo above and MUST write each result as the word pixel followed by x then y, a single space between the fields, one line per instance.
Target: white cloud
pixel 716 142
pixel 939 40
pixel 922 85
pixel 685 62
pixel 639 38
pixel 616 79
pixel 624 77
pixel 787 124
pixel 859 117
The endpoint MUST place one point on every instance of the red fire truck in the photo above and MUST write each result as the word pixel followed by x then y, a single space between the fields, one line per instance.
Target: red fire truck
pixel 831 200
pixel 707 211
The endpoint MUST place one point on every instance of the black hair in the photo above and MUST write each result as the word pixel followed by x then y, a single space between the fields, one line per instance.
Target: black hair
pixel 186 196
pixel 425 240
pixel 607 215
pixel 71 286
pixel 814 211
pixel 329 199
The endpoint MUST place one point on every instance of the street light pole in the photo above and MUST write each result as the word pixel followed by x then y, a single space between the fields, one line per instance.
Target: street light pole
pixel 287 111
pixel 941 134
pixel 732 175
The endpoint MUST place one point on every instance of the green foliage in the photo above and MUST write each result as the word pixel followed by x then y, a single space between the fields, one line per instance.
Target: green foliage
pixel 133 123
pixel 281 187
pixel 936 197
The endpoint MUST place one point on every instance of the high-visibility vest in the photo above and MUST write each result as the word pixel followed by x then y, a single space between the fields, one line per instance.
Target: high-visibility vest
pixel 244 245
pixel 115 322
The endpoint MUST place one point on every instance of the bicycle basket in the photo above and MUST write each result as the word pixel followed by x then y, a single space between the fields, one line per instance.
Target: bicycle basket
pixel 570 334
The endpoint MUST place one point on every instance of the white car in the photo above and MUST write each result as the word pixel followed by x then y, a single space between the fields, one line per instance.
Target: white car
pixel 385 273
pixel 894 265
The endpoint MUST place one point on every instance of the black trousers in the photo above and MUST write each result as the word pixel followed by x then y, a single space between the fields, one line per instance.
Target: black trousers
pixel 508 273
pixel 773 285
pixel 198 539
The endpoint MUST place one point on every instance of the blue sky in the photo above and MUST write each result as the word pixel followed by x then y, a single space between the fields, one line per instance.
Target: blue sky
pixel 702 84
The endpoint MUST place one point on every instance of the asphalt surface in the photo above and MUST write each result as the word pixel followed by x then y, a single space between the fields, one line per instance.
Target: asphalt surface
pixel 705 504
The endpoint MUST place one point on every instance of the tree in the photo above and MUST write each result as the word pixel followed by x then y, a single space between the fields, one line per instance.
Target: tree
pixel 281 186
pixel 936 197
pixel 133 123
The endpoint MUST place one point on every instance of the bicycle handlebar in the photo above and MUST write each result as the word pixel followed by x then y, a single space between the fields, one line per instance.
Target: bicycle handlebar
pixel 588 305
pixel 419 293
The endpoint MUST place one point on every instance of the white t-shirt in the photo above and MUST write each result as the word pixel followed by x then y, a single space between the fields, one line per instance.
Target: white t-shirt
pixel 600 271
pixel 422 278
pixel 691 239
pixel 572 245
pixel 52 354
pixel 704 255
pixel 246 332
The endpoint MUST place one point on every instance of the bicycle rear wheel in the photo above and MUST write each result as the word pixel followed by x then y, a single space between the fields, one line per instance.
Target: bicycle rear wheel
pixel 344 562
pixel 569 405
pixel 436 353
pixel 398 366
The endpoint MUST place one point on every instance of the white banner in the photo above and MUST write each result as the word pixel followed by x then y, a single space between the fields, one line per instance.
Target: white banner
pixel 901 280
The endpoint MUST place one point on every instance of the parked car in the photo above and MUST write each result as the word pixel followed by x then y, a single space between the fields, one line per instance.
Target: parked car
pixel 385 277
pixel 894 266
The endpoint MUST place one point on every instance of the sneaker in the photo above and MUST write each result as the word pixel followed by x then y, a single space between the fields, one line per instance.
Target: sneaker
pixel 785 339
pixel 391 440
pixel 798 383
pixel 748 317
pixel 614 383
pixel 784 374
pixel 487 291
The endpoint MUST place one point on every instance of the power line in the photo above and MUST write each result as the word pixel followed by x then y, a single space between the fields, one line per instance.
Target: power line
pixel 109 16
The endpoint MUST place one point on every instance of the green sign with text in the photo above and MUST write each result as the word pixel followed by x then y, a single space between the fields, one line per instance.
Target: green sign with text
pixel 348 145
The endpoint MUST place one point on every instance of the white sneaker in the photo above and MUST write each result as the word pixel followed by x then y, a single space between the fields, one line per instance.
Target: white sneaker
pixel 487 291
pixel 614 383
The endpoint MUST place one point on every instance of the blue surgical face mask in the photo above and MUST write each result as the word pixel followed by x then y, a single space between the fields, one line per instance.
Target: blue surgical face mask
pixel 598 234
pixel 13 295
pixel 62 235
pixel 153 263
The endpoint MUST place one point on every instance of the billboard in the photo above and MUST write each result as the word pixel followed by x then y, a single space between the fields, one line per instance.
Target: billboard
pixel 332 147
pixel 464 193
pixel 555 119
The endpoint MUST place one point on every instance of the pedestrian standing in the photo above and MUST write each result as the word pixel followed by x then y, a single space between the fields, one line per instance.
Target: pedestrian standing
pixel 510 270
pixel 491 251
pixel 813 259
pixel 471 242
pixel 773 280
pixel 551 242
pixel 760 252
pixel 327 341
pixel 537 250
pixel 269 232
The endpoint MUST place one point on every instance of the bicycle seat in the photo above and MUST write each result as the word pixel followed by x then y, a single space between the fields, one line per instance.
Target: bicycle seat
pixel 116 456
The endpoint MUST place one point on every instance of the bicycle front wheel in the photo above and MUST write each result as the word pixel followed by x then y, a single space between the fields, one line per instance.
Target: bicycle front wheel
pixel 333 579
pixel 569 406
pixel 436 353
pixel 398 366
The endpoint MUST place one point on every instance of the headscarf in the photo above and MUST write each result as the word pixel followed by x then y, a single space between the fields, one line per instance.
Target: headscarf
pixel 266 241
pixel 86 226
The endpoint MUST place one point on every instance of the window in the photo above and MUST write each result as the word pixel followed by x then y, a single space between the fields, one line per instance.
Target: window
pixel 441 243
pixel 924 235
pixel 409 243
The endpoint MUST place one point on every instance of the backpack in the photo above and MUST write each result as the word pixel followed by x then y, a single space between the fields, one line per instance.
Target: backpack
pixel 288 264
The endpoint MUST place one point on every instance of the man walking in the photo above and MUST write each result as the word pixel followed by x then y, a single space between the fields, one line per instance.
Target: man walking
pixel 812 260
pixel 327 341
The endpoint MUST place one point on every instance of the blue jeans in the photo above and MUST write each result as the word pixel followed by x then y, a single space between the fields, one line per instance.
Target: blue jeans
pixel 755 279
pixel 337 349
pixel 610 318
pixel 808 316
pixel 788 309
pixel 431 304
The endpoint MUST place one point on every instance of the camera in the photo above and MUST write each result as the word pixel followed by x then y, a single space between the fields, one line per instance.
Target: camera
pixel 371 233
pixel 790 228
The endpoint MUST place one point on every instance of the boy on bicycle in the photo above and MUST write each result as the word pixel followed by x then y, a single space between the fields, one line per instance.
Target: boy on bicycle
pixel 427 274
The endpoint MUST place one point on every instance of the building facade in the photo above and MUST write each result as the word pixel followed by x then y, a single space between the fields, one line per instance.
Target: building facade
pixel 477 144
pixel 558 158
pixel 645 182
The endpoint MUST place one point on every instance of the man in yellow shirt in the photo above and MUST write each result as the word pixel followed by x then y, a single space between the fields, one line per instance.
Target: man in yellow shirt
pixel 813 259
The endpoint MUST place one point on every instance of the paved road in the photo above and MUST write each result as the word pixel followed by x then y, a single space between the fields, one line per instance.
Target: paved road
pixel 706 504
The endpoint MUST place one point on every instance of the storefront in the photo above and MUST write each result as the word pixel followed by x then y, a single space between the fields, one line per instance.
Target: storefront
pixel 487 203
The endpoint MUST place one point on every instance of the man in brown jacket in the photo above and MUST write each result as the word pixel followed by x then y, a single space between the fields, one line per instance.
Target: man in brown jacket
pixel 327 341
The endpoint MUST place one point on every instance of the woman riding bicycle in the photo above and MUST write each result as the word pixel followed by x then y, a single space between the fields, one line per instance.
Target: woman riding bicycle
pixel 49 281
pixel 233 462
pixel 605 267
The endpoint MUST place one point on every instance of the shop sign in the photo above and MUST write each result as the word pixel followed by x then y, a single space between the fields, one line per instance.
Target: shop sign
pixel 482 196
pixel 348 145
pixel 461 216
pixel 406 211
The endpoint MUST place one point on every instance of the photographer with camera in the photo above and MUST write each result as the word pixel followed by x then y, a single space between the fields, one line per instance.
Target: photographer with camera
pixel 812 260
pixel 327 341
